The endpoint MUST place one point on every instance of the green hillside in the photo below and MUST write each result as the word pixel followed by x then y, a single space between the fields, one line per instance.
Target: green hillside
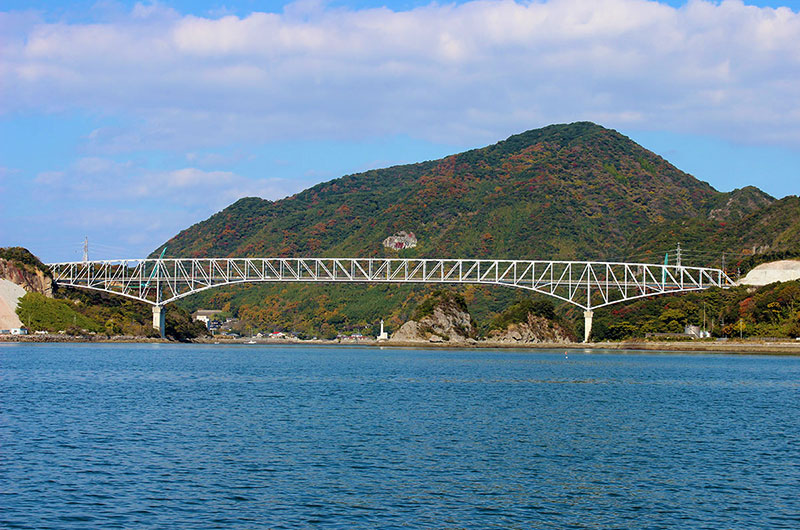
pixel 769 311
pixel 574 191
pixel 767 233
pixel 564 191
pixel 77 312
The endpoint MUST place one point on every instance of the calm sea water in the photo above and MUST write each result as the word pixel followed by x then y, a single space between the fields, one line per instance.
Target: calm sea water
pixel 165 436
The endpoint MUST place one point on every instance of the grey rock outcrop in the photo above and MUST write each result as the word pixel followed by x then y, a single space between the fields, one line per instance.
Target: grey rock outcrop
pixel 536 330
pixel 446 322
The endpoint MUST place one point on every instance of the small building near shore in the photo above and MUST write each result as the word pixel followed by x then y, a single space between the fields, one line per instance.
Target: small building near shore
pixel 206 316
pixel 696 332
pixel 689 332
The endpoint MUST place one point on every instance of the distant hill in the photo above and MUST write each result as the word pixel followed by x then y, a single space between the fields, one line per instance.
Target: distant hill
pixel 564 191
pixel 572 191
pixel 747 238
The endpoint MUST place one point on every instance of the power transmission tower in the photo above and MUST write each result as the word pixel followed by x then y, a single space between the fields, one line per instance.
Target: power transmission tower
pixel 678 255
pixel 85 249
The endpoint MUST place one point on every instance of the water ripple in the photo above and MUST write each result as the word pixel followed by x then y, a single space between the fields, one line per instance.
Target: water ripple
pixel 121 436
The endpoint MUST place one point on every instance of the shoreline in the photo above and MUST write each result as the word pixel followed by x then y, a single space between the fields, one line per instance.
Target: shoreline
pixel 749 347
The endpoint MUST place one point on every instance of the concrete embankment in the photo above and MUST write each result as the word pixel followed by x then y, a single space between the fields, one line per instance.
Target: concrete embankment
pixel 722 347
pixel 775 271
pixel 58 337
pixel 788 347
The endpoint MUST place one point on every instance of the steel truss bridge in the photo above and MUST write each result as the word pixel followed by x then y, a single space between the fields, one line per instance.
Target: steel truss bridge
pixel 586 284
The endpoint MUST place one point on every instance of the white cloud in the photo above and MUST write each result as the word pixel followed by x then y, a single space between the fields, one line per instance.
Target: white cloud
pixel 128 205
pixel 7 171
pixel 464 73
pixel 50 178
pixel 100 180
pixel 208 160
pixel 210 189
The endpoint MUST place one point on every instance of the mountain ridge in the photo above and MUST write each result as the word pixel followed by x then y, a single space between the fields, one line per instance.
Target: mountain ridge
pixel 563 191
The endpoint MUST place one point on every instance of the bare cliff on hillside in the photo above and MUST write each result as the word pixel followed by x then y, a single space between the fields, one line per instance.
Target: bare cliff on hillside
pixel 30 278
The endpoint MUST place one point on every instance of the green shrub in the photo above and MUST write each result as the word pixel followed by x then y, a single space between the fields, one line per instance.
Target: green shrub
pixel 23 257
pixel 519 312
pixel 40 313
pixel 436 298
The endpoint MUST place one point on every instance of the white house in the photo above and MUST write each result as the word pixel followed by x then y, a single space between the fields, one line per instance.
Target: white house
pixel 205 315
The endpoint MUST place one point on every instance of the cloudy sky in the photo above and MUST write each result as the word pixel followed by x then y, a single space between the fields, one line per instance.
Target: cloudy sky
pixel 127 122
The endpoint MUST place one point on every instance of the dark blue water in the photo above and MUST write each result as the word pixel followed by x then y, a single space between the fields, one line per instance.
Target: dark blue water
pixel 155 436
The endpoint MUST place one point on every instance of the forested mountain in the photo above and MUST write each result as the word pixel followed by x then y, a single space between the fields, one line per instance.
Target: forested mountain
pixel 574 191
pixel 565 191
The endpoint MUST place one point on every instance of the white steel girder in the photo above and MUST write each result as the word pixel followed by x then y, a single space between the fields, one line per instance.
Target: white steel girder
pixel 586 284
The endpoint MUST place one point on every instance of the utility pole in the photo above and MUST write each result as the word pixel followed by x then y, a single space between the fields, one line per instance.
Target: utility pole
pixel 678 255
pixel 86 249
pixel 704 317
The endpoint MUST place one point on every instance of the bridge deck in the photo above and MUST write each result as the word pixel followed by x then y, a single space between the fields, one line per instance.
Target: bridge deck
pixel 587 284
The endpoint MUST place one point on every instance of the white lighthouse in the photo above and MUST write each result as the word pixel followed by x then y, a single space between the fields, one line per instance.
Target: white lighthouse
pixel 383 335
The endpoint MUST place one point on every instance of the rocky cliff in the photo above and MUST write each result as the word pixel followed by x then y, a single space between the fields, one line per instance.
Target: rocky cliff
pixel 442 317
pixel 30 278
pixel 536 329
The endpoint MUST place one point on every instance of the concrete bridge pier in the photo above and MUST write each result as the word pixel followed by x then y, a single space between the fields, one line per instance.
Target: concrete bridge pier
pixel 159 319
pixel 587 328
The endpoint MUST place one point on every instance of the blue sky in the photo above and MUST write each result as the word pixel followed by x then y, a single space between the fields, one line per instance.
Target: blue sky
pixel 127 122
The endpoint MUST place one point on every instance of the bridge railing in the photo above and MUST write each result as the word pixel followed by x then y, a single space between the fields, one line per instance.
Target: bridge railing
pixel 587 284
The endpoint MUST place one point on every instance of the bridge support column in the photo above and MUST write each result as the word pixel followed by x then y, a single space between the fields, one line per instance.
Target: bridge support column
pixel 159 319
pixel 587 328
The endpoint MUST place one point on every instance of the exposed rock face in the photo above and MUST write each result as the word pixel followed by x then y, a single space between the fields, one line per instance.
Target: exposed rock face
pixel 536 329
pixel 400 241
pixel 446 323
pixel 408 332
pixel 29 278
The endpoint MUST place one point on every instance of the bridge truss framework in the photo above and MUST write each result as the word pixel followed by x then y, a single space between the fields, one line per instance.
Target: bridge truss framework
pixel 586 284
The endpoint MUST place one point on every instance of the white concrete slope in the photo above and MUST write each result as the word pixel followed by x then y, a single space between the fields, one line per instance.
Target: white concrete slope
pixel 10 293
pixel 776 271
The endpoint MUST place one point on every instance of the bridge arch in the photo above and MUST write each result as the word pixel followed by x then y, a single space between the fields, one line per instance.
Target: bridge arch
pixel 586 284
